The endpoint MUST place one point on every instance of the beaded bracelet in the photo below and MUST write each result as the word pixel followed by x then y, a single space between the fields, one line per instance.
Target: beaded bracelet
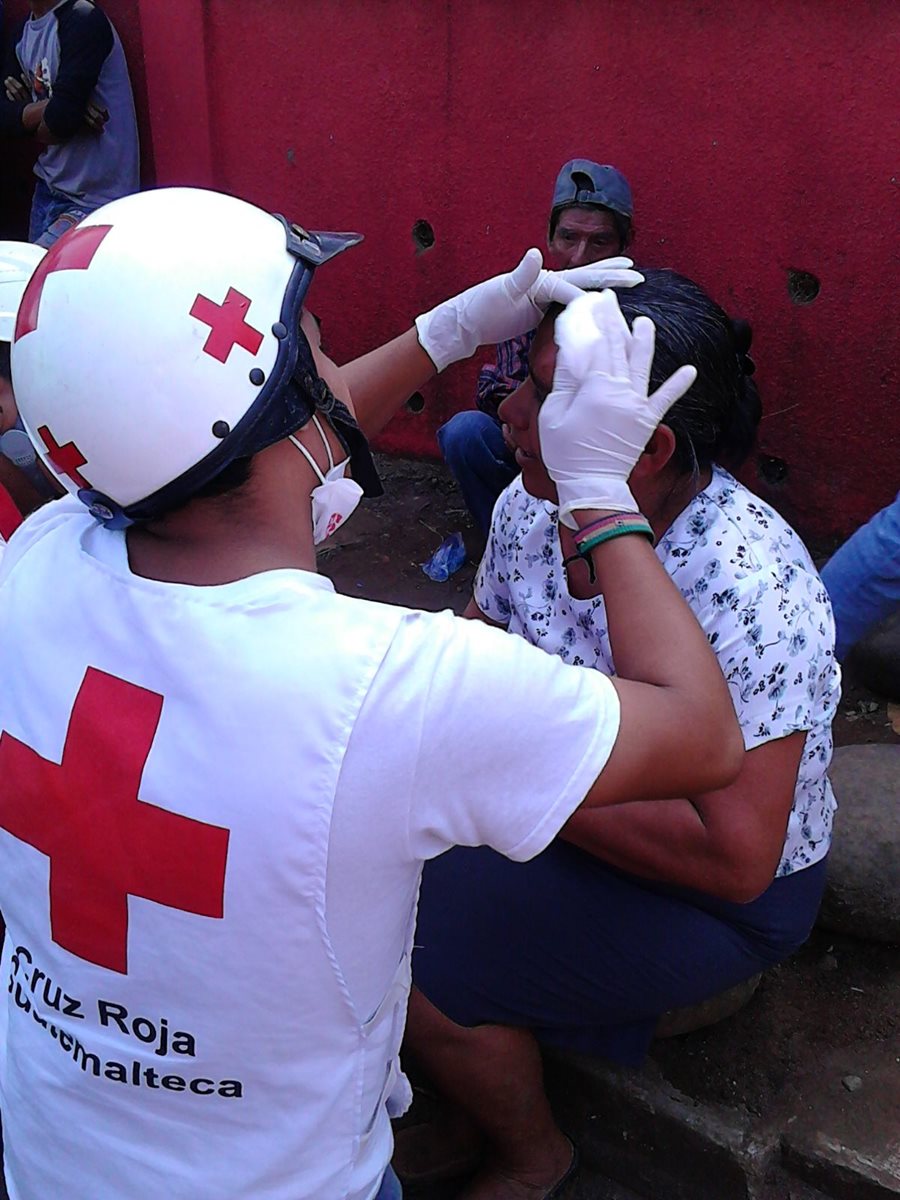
pixel 601 523
pixel 613 521
pixel 604 530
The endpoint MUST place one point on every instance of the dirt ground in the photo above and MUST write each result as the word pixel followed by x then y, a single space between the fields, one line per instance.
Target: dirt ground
pixel 835 994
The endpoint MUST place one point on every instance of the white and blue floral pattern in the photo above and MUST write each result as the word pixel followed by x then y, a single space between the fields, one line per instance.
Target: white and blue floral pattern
pixel 752 586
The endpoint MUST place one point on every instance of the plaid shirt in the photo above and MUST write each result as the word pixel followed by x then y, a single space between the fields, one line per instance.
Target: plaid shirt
pixel 496 382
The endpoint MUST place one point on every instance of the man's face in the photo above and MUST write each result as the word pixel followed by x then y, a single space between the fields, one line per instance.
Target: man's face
pixel 582 236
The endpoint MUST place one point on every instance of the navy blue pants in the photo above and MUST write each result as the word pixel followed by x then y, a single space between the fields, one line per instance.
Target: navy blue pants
pixel 585 956
pixel 473 448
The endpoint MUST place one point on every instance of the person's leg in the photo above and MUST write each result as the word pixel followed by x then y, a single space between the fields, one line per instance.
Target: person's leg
pixel 863 577
pixel 61 223
pixel 52 215
pixel 390 1187
pixel 473 448
pixel 567 951
pixel 41 203
pixel 494 1074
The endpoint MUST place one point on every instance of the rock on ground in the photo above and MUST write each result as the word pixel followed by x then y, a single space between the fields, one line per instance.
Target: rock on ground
pixel 862 897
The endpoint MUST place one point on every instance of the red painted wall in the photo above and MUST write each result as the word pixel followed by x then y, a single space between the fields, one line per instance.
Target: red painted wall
pixel 759 138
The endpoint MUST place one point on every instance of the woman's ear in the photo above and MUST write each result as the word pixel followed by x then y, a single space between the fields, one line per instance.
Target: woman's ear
pixel 657 454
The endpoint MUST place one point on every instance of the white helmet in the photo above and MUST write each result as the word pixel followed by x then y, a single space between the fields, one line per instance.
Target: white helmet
pixel 159 340
pixel 17 261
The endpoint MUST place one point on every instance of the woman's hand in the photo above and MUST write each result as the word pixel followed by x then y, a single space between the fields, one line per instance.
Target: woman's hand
pixel 511 304
pixel 595 423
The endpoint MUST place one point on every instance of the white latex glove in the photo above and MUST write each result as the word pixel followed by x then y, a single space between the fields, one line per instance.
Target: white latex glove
pixel 510 305
pixel 596 422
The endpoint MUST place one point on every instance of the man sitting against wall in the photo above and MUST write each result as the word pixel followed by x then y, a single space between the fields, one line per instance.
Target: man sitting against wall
pixel 590 220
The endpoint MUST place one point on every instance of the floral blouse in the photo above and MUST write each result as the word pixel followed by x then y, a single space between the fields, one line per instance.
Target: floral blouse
pixel 752 586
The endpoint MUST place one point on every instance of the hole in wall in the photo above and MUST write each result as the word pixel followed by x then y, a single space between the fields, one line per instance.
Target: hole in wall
pixel 415 403
pixel 422 236
pixel 772 469
pixel 803 286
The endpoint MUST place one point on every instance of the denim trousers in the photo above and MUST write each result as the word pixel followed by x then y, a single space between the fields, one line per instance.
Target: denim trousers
pixel 863 577
pixel 52 214
pixel 390 1187
pixel 473 448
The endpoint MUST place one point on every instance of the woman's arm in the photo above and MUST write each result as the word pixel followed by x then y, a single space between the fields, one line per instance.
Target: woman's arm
pixel 678 735
pixel 727 843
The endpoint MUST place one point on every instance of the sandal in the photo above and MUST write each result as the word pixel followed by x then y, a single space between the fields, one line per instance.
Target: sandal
pixel 424 1156
pixel 557 1189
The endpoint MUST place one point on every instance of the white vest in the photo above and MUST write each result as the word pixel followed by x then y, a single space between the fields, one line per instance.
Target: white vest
pixel 168 765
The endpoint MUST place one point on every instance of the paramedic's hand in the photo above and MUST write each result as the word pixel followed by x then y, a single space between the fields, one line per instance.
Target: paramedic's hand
pixel 509 305
pixel 595 423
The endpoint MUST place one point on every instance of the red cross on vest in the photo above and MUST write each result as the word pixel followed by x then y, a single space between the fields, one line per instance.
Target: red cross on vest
pixel 103 842
pixel 67 459
pixel 227 325
pixel 74 251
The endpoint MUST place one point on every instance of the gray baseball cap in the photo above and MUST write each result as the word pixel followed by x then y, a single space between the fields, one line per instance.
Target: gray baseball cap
pixel 584 182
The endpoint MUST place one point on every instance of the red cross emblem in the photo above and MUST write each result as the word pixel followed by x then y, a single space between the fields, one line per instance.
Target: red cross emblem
pixel 73 252
pixel 67 459
pixel 103 842
pixel 227 325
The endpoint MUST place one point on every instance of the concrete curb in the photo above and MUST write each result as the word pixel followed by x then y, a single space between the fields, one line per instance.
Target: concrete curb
pixel 649 1135
pixel 634 1126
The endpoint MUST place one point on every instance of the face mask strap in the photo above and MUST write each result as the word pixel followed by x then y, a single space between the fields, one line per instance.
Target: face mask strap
pixel 325 442
pixel 309 458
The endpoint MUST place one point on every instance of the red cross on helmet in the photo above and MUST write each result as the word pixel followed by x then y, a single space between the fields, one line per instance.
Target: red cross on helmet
pixel 159 340
pixel 17 261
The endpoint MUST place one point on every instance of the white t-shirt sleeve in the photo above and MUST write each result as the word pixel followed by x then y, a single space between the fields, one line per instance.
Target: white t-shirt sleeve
pixel 41 522
pixel 491 741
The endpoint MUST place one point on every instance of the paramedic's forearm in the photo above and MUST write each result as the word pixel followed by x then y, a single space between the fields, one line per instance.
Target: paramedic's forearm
pixel 383 380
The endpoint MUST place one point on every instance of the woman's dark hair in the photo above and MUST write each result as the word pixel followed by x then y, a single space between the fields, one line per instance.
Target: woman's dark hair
pixel 4 361
pixel 624 225
pixel 717 419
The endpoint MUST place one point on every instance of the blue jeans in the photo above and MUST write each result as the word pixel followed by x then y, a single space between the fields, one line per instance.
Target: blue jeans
pixel 473 448
pixel 863 578
pixel 390 1187
pixel 52 214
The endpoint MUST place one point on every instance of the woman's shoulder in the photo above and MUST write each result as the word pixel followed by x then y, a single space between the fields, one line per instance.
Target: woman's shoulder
pixel 519 519
pixel 729 542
